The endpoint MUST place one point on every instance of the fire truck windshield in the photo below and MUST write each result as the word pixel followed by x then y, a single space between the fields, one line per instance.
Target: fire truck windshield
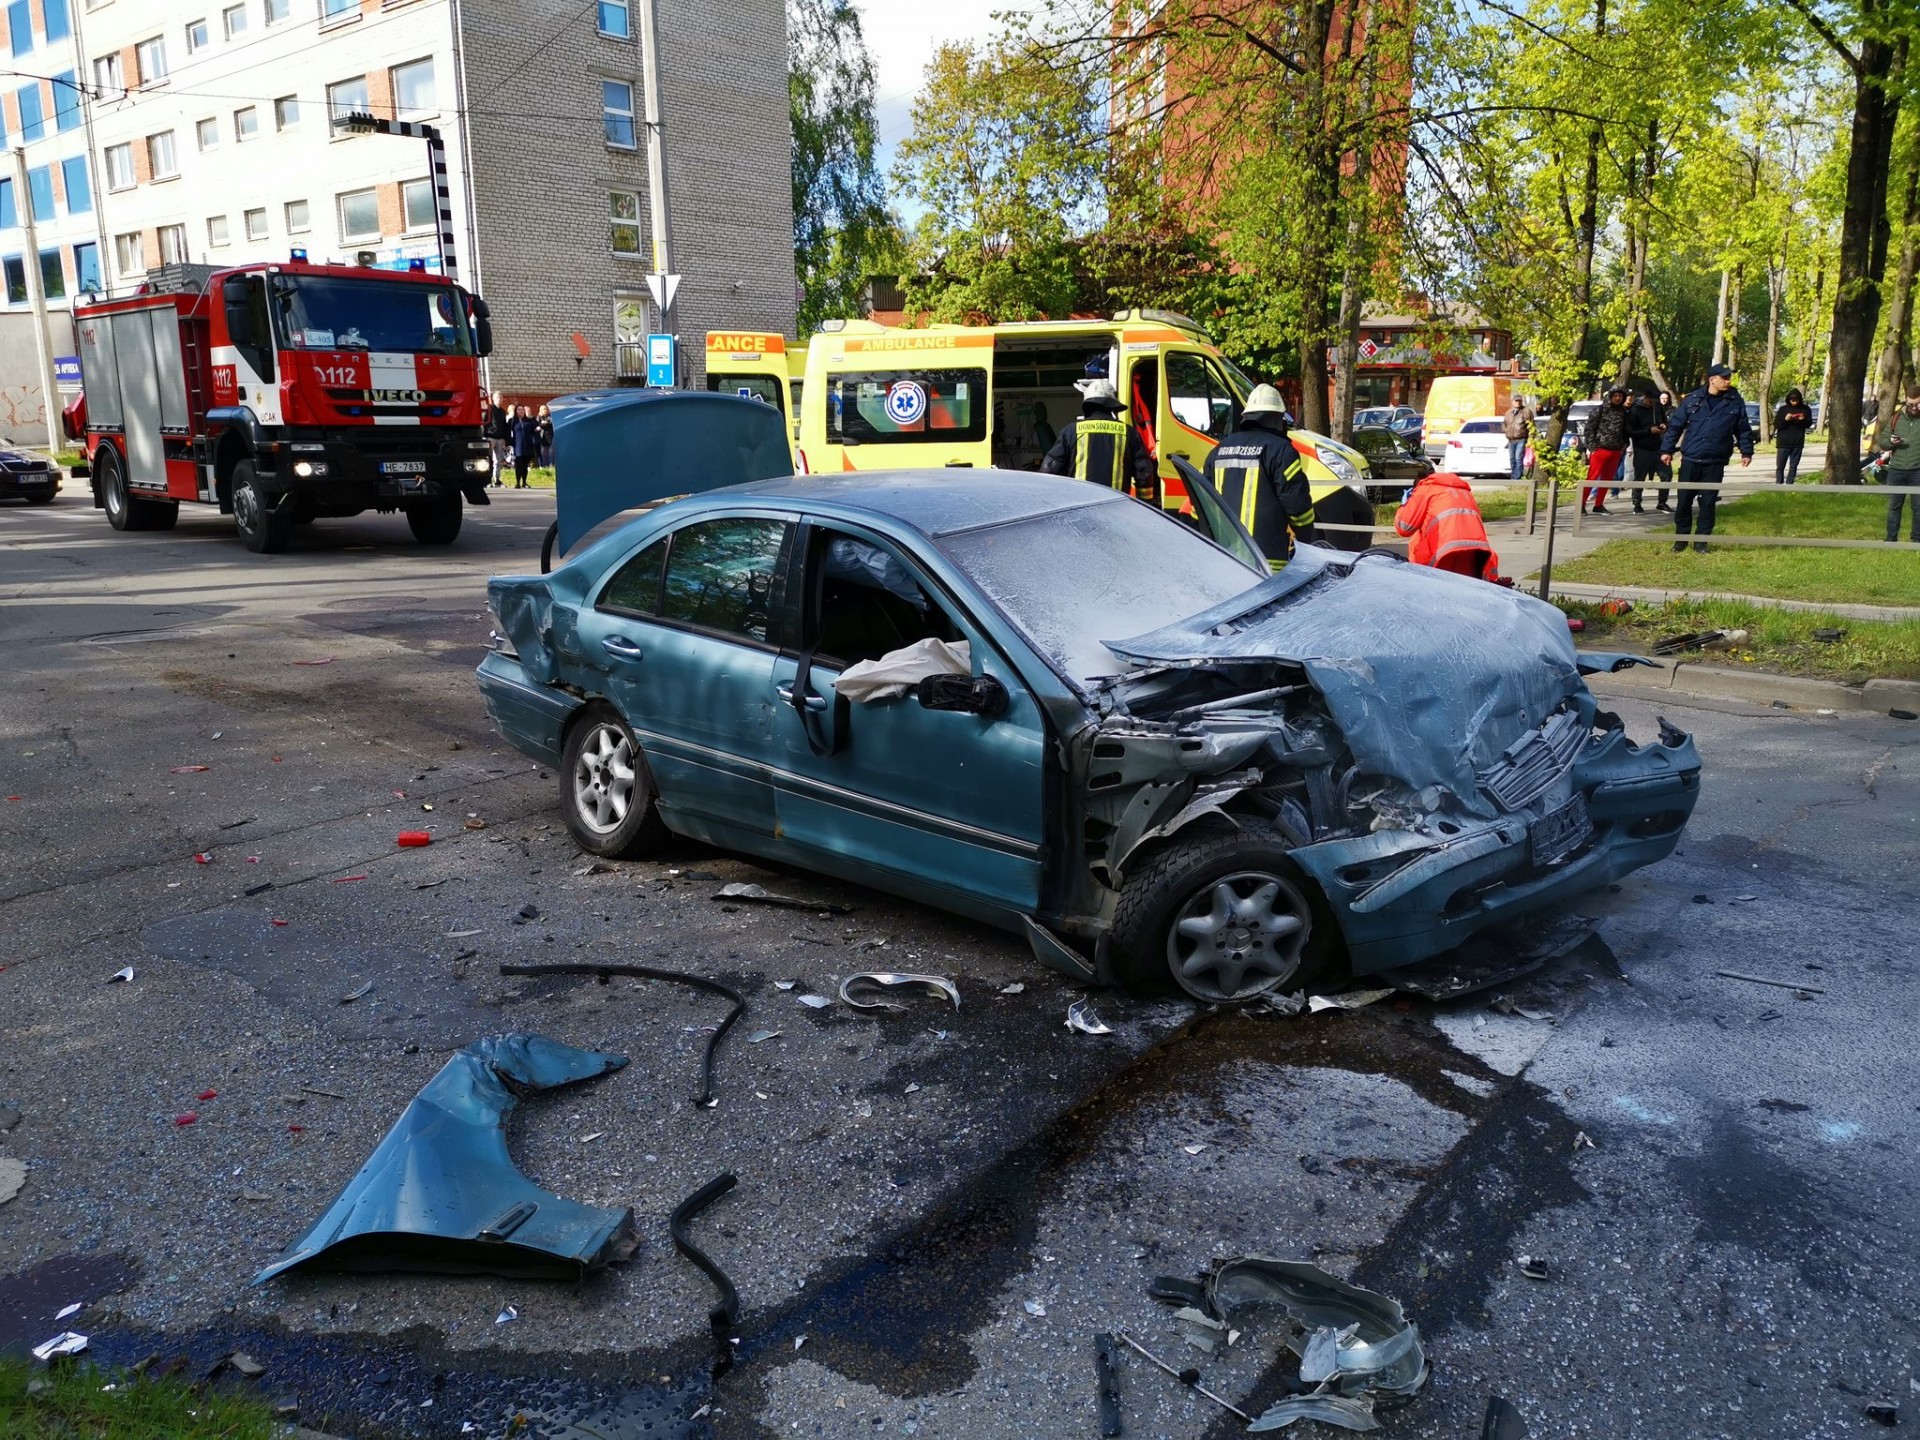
pixel 326 312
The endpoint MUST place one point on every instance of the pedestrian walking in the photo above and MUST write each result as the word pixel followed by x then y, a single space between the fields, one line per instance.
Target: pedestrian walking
pixel 1262 478
pixel 1902 438
pixel 1518 428
pixel 1646 423
pixel 1791 420
pixel 493 427
pixel 1101 447
pixel 1709 424
pixel 544 419
pixel 523 436
pixel 1442 520
pixel 1606 440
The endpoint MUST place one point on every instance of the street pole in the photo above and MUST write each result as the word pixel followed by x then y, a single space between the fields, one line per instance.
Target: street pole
pixel 36 295
pixel 361 122
pixel 656 155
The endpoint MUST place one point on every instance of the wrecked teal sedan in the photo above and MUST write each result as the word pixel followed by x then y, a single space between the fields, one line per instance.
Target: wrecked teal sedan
pixel 1043 704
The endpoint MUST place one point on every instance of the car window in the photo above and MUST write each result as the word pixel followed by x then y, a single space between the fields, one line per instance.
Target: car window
pixel 722 575
pixel 1372 442
pixel 635 586
pixel 764 388
pixel 1199 395
pixel 1109 570
pixel 865 602
pixel 902 407
pixel 1480 427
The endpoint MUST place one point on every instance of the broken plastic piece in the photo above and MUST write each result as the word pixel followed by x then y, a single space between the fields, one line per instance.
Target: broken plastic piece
pixel 412 839
pixel 1018 987
pixel 507 1315
pixel 814 1002
pixel 1503 1421
pixel 1343 1411
pixel 1201 1330
pixel 67 1342
pixel 1350 1000
pixel 1106 1377
pixel 1080 1017
pixel 1534 1268
pixel 1883 1412
pixel 124 973
pixel 1189 1378
pixel 186 1118
pixel 760 895
pixel 724 1318
pixel 1762 980
pixel 440 1194
pixel 937 984
pixel 244 1364
pixel 203 858
pixel 357 993
pixel 649 972
pixel 318 660
pixel 1035 1309
pixel 190 769
pixel 761 1036
pixel 1375 1348
pixel 13 1176
pixel 67 1312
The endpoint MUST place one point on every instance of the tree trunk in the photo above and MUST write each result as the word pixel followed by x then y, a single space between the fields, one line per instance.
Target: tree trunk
pixel 1863 250
pixel 1776 283
pixel 1810 336
pixel 1720 319
pixel 1893 359
pixel 1651 355
pixel 1636 266
pixel 1356 264
pixel 1319 213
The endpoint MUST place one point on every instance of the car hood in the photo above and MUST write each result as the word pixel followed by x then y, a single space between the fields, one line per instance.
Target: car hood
pixel 21 459
pixel 1430 677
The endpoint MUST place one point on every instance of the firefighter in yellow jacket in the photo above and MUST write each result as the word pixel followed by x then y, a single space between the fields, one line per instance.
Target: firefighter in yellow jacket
pixel 1262 477
pixel 1102 447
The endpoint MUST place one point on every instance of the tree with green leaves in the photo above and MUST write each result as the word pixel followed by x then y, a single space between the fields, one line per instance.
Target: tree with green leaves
pixel 843 232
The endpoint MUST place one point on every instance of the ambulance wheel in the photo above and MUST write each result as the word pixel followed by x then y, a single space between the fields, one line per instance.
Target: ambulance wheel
pixel 262 530
pixel 436 522
pixel 124 511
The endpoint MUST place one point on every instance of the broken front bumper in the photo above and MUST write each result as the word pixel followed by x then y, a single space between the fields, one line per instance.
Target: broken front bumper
pixel 1402 896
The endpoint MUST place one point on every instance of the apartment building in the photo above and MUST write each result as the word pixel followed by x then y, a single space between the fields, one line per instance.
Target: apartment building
pixel 211 132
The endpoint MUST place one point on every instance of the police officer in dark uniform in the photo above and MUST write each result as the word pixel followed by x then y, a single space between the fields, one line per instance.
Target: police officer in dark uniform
pixel 1101 447
pixel 1262 477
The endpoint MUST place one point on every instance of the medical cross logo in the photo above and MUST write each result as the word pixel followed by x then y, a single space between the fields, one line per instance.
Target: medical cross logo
pixel 906 402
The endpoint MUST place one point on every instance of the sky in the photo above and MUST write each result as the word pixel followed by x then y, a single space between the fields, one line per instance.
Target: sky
pixel 902 36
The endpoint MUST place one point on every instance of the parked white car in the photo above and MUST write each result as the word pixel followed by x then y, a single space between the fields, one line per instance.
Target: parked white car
pixel 1478 448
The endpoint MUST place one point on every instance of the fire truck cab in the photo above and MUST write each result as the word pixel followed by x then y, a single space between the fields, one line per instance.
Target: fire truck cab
pixel 283 393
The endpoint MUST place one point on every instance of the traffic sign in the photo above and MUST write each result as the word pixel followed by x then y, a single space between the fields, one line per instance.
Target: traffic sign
pixel 663 288
pixel 660 362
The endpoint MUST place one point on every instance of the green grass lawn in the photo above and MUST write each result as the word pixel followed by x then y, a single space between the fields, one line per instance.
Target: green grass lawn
pixel 1861 577
pixel 79 1402
pixel 1777 640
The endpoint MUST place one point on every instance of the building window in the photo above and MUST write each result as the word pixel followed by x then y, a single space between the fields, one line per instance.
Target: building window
pixel 150 58
pixel 9 209
pixel 216 231
pixel 59 27
pixel 79 188
pixel 20 27
pixel 278 10
pixel 286 112
pixel 196 36
pixel 346 97
pixel 33 119
pixel 418 206
pixel 359 216
pixel 257 224
pixel 86 267
pixel 246 123
pixel 127 254
pixel 66 101
pixel 173 244
pixel 334 9
pixel 120 166
pixel 623 222
pixel 413 89
pixel 53 275
pixel 234 20
pixel 107 74
pixel 298 221
pixel 206 133
pixel 160 155
pixel 16 268
pixel 613 18
pixel 40 192
pixel 616 99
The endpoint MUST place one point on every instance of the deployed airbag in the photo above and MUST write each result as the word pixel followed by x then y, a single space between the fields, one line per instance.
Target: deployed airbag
pixel 440 1194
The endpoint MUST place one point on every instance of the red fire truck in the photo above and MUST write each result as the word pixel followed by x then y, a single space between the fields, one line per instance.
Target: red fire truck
pixel 285 392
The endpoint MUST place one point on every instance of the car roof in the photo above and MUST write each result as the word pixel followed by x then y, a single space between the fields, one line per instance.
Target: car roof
pixel 934 502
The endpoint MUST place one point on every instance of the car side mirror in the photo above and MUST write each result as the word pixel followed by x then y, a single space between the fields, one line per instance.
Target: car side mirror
pixel 482 327
pixel 233 296
pixel 968 694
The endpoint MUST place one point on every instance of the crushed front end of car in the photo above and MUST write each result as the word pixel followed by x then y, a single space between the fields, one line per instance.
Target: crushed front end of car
pixel 1423 745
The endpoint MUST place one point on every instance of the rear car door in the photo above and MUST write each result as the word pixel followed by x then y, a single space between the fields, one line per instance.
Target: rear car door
pixel 947 803
pixel 687 628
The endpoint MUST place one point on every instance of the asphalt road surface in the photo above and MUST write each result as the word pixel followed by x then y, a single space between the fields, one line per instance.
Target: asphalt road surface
pixel 937 1210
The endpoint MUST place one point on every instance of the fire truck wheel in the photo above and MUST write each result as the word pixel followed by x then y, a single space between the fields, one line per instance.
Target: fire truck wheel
pixel 125 512
pixel 263 530
pixel 436 523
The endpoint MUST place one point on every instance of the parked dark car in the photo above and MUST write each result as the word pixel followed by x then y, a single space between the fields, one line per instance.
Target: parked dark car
pixel 1403 420
pixel 30 476
pixel 1395 462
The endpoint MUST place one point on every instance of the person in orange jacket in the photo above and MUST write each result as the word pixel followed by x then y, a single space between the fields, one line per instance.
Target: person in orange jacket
pixel 1443 522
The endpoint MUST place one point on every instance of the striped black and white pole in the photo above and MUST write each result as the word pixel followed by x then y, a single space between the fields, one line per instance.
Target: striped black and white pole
pixel 436 161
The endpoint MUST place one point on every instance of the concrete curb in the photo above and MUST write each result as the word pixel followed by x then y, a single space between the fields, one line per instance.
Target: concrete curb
pixel 1655 596
pixel 1720 682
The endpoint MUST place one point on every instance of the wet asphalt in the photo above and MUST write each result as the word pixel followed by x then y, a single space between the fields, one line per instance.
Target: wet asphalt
pixel 937 1210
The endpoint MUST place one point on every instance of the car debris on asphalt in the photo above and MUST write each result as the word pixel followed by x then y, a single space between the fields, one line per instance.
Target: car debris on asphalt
pixel 1349 1000
pixel 1082 1020
pixel 937 984
pixel 13 1178
pixel 760 895
pixel 124 973
pixel 67 1342
pixel 724 1318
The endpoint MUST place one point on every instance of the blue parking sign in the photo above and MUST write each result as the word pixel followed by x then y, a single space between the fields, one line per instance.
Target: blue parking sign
pixel 660 362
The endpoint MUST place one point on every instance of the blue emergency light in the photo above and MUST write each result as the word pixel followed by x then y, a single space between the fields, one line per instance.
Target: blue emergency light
pixel 417 267
pixel 298 254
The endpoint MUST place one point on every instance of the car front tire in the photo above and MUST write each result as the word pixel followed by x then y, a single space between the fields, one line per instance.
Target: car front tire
pixel 606 790
pixel 1226 916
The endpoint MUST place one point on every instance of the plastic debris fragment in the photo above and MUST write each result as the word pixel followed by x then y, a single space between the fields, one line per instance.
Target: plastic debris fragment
pixel 124 973
pixel 208 1095
pixel 190 769
pixel 413 839
pixel 69 1311
pixel 1503 1421
pixel 1883 1412
pixel 1358 1341
pixel 185 1118
pixel 507 1315
pixel 1035 1308
pixel 358 992
pixel 1106 1374
pixel 1018 987
pixel 203 858
pixel 13 1177
pixel 347 879
pixel 724 1317
pixel 761 1036
pixel 1188 1378
pixel 67 1342
pixel 939 985
pixel 1342 1411
pixel 1534 1268
pixel 814 1002
pixel 1080 1018
pixel 760 895
pixel 785 984
pixel 1351 1000
pixel 317 660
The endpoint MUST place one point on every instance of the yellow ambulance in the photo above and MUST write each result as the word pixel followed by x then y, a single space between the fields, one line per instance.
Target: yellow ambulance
pixel 760 366
pixel 881 397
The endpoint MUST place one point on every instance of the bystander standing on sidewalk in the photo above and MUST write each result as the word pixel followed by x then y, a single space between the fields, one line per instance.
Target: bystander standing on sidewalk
pixel 1712 422
pixel 1791 421
pixel 1646 423
pixel 523 438
pixel 544 419
pixel 494 428
pixel 1902 437
pixel 1606 437
pixel 1518 428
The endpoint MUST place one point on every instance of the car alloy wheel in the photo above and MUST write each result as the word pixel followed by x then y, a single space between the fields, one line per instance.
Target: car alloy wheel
pixel 1238 936
pixel 604 779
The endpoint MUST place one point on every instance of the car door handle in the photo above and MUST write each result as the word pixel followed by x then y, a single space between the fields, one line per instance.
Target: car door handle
pixel 620 647
pixel 815 703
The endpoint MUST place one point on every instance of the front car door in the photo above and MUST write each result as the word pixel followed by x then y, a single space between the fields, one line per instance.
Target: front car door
pixel 945 805
pixel 687 628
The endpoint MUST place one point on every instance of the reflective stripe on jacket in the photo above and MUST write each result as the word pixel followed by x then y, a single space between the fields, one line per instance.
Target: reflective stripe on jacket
pixel 1263 480
pixel 1099 446
pixel 1441 519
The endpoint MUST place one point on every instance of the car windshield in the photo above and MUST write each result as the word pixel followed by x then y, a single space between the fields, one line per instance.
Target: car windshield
pixel 1112 570
pixel 325 312
pixel 1480 427
pixel 1373 417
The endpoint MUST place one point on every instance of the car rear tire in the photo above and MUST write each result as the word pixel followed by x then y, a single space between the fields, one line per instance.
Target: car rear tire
pixel 606 790
pixel 1226 916
pixel 435 522
pixel 126 511
pixel 39 499
pixel 263 529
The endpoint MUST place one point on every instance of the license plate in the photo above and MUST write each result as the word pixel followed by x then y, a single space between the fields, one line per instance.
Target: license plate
pixel 403 467
pixel 1557 835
